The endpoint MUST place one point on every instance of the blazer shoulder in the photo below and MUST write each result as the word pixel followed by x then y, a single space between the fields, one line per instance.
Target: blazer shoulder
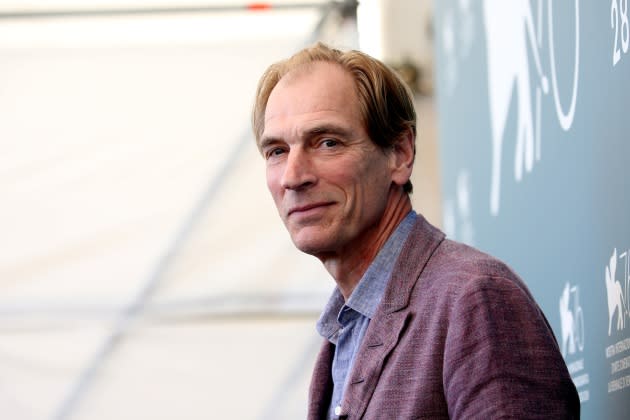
pixel 462 269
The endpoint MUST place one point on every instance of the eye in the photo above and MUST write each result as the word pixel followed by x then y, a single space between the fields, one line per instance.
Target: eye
pixel 329 143
pixel 274 152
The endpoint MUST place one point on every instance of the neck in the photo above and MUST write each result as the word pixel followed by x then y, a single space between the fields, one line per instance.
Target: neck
pixel 348 267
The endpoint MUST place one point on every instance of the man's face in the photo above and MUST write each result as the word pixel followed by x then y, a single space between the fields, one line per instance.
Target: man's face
pixel 329 181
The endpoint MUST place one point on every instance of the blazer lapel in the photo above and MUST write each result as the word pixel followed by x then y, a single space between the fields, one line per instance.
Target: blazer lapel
pixel 385 328
pixel 320 390
pixel 377 344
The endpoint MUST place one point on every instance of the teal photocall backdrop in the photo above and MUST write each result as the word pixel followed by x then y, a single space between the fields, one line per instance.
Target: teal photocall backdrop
pixel 534 113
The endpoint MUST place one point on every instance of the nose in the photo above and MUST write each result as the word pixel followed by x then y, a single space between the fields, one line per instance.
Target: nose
pixel 298 171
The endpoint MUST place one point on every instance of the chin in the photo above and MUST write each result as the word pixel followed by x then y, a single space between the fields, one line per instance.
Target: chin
pixel 310 244
pixel 308 247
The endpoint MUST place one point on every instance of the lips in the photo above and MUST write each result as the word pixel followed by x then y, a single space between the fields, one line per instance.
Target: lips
pixel 307 208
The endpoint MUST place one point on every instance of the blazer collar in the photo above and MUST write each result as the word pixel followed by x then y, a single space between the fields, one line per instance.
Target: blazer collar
pixel 421 244
pixel 384 330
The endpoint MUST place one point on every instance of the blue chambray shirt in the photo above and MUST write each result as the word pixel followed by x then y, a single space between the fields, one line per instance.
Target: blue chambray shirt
pixel 344 324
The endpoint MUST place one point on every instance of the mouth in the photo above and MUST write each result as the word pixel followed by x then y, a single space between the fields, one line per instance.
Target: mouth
pixel 308 208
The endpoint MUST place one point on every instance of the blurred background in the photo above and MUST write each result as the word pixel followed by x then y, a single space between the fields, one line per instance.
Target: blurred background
pixel 144 272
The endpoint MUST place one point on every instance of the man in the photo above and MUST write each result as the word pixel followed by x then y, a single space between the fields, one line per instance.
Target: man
pixel 419 326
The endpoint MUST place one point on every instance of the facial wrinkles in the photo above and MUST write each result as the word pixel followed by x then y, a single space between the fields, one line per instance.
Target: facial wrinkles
pixel 309 103
pixel 351 176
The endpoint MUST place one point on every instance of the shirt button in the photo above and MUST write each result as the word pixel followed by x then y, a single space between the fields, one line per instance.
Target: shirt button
pixel 337 410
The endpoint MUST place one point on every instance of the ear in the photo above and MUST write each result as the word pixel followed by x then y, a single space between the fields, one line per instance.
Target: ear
pixel 403 155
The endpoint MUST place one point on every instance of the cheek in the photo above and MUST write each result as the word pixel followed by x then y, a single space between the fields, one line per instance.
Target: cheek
pixel 374 182
pixel 270 182
pixel 273 182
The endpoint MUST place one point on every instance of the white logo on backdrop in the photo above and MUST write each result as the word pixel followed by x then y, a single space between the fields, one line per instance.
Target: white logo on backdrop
pixel 617 352
pixel 616 292
pixel 571 320
pixel 572 345
pixel 510 27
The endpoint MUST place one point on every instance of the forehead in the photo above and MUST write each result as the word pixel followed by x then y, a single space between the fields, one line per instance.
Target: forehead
pixel 319 89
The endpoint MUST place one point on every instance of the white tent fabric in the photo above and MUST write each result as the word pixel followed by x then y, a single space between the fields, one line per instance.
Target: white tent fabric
pixel 144 272
pixel 140 250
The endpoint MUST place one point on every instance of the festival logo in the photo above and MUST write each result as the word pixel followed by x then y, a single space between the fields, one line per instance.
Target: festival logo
pixel 571 320
pixel 618 352
pixel 511 27
pixel 572 343
pixel 617 297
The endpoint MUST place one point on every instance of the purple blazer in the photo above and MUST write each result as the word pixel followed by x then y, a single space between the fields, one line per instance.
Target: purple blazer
pixel 457 335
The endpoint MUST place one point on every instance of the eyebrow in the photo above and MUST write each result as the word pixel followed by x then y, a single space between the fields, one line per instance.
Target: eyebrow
pixel 266 141
pixel 327 129
pixel 314 131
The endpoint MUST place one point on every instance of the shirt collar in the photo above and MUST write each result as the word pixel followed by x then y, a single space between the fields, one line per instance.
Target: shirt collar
pixel 367 295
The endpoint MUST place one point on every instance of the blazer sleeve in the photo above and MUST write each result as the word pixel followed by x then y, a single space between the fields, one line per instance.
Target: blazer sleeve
pixel 501 359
